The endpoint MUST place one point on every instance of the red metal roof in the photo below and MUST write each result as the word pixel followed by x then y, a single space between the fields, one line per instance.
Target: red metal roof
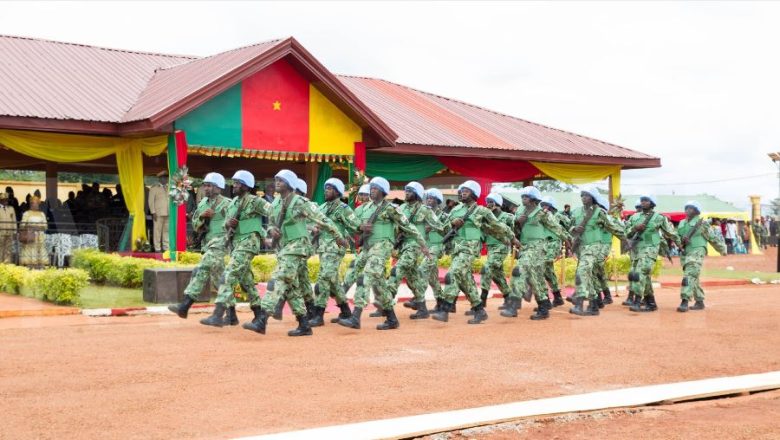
pixel 425 119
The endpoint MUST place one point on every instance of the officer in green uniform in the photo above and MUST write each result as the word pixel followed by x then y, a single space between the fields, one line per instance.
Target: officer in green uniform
pixel 379 247
pixel 533 226
pixel 331 253
pixel 647 227
pixel 244 233
pixel 469 221
pixel 631 298
pixel 408 263
pixel 588 226
pixel 553 249
pixel 304 287
pixel 209 217
pixel 497 251
pixel 695 234
pixel 430 267
pixel 601 280
pixel 289 214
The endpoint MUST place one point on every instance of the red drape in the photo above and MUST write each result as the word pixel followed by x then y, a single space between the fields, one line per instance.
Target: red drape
pixel 360 155
pixel 488 171
pixel 181 215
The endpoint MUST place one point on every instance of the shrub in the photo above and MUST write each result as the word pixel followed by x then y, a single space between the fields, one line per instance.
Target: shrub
pixel 60 286
pixel 114 269
pixel 189 258
pixel 263 266
pixel 12 278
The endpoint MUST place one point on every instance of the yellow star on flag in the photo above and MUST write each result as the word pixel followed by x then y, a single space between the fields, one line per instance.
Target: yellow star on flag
pixel 277 105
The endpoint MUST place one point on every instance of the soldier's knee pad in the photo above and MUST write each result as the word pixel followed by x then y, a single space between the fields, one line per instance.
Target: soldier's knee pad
pixel 270 286
pixel 516 272
pixel 352 264
pixel 633 276
pixel 448 278
pixel 317 289
pixel 577 280
pixel 360 281
pixel 393 271
pixel 685 281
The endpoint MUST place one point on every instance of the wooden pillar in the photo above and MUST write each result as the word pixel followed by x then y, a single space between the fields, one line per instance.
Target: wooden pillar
pixel 51 181
pixel 312 174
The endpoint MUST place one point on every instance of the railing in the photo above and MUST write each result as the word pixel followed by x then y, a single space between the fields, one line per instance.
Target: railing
pixel 58 242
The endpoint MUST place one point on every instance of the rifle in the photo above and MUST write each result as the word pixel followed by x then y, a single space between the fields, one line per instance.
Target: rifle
pixel 575 244
pixel 230 232
pixel 315 237
pixel 453 231
pixel 202 231
pixel 280 220
pixel 402 237
pixel 366 235
pixel 636 236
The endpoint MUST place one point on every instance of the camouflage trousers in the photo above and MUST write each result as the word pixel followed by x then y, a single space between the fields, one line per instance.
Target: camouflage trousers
pixel 287 278
pixel 408 267
pixel 601 280
pixel 210 268
pixel 355 276
pixel 552 250
pixel 459 277
pixel 239 271
pixel 304 285
pixel 493 270
pixel 429 270
pixel 640 276
pixel 585 282
pixel 374 275
pixel 328 279
pixel 692 262
pixel 528 273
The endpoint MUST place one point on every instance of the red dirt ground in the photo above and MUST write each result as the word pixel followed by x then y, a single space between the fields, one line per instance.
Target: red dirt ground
pixel 761 263
pixel 163 377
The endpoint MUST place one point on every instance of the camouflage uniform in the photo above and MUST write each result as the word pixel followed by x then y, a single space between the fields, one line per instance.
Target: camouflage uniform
pixel 497 251
pixel 304 287
pixel 693 255
pixel 429 269
pixel 552 251
pixel 212 264
pixel 645 253
pixel 331 253
pixel 408 265
pixel 355 270
pixel 247 241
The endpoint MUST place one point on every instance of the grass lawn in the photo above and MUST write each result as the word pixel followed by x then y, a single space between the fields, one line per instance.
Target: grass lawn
pixel 726 274
pixel 94 296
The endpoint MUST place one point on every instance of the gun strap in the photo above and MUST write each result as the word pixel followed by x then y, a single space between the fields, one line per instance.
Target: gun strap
pixel 586 219
pixel 693 230
pixel 520 224
pixel 283 213
pixel 379 209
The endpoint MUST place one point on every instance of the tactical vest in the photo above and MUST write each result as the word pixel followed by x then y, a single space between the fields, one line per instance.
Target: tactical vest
pixel 292 228
pixel 433 236
pixel 697 239
pixel 383 228
pixel 493 241
pixel 592 233
pixel 326 235
pixel 217 222
pixel 418 223
pixel 650 237
pixel 469 231
pixel 246 226
pixel 533 229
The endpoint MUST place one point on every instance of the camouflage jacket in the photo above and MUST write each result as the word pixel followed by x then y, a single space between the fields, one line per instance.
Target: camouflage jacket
pixel 423 218
pixel 300 211
pixel 343 217
pixel 658 224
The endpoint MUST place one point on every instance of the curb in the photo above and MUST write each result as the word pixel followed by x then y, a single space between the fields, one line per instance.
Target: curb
pixel 39 312
pixel 710 283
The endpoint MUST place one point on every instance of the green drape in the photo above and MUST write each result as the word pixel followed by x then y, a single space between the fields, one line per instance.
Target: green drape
pixel 401 167
pixel 324 173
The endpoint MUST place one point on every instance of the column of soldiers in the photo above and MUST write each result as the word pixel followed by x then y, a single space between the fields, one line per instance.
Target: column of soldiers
pixel 419 231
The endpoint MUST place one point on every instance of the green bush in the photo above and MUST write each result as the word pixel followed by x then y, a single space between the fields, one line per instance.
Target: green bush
pixel 12 278
pixel 189 258
pixel 116 270
pixel 60 286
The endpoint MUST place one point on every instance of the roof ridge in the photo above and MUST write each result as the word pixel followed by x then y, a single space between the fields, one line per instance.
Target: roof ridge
pixel 495 112
pixel 276 41
pixel 90 46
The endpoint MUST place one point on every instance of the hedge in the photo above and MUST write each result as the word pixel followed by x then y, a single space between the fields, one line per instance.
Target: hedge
pixel 116 270
pixel 60 286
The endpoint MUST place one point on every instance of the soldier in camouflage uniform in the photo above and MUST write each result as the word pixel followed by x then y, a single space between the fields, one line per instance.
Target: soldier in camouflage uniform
pixel 469 221
pixel 209 216
pixel 553 250
pixel 290 213
pixel 533 226
pixel 647 227
pixel 630 298
pixel 244 235
pixel 408 265
pixel 304 286
pixel 379 248
pixel 695 234
pixel 497 251
pixel 601 279
pixel 429 269
pixel 331 253
pixel 588 245
pixel 355 270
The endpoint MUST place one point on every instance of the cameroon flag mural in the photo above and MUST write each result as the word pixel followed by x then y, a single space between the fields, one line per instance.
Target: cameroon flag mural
pixel 276 109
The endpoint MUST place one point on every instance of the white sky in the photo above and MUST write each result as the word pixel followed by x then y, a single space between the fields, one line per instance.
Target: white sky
pixel 693 83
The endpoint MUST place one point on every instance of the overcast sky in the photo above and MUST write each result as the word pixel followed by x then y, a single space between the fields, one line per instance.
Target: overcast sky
pixel 693 83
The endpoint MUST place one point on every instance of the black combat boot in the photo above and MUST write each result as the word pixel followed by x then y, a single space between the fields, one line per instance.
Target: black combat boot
pixel 443 314
pixel 503 305
pixel 542 311
pixel 183 307
pixel 343 314
pixel 683 307
pixel 510 310
pixel 480 315
pixel 354 319
pixel 422 311
pixel 593 307
pixel 557 299
pixel 648 305
pixel 411 304
pixel 484 297
pixel 277 315
pixel 378 313
pixel 259 322
pixel 437 307
pixel 310 309
pixel 629 300
pixel 215 320
pixel 453 308
pixel 607 296
pixel 599 301
pixel 318 318
pixel 303 327
pixel 391 322
pixel 637 304
pixel 577 309
pixel 231 318
pixel 698 305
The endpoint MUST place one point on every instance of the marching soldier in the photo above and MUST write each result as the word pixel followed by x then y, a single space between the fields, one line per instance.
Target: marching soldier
pixel 407 265
pixel 644 230
pixel 208 221
pixel 631 298
pixel 435 241
pixel 304 286
pixel 379 221
pixel 289 214
pixel 553 249
pixel 533 226
pixel 601 279
pixel 7 229
pixel 497 251
pixel 468 221
pixel 331 253
pixel 588 227
pixel 243 235
pixel 695 233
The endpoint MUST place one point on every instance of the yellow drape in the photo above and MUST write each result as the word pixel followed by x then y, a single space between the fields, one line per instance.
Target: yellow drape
pixel 57 147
